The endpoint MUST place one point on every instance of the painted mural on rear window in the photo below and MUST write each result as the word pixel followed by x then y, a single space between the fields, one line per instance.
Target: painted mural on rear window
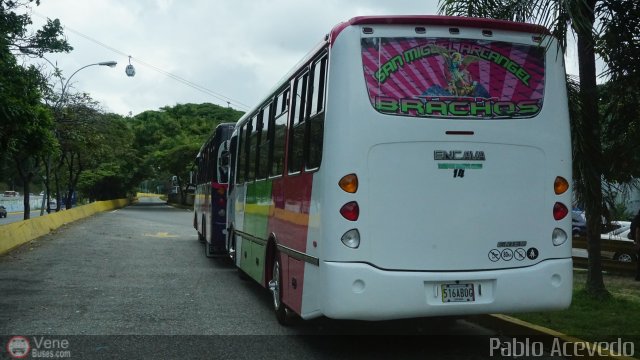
pixel 453 78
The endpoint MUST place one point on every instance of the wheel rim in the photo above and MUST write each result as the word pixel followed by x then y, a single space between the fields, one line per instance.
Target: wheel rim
pixel 274 285
pixel 624 258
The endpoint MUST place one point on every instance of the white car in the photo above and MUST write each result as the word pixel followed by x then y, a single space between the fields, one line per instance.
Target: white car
pixel 619 234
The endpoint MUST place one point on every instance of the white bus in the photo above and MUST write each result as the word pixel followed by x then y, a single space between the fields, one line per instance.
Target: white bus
pixel 409 166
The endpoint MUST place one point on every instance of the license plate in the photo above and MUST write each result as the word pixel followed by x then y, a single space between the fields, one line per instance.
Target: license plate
pixel 458 293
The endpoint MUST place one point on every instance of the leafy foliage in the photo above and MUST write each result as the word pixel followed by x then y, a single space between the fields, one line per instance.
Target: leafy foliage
pixel 170 138
pixel 16 37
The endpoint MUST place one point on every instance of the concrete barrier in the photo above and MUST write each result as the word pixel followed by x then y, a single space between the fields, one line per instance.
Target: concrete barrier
pixel 15 234
pixel 16 203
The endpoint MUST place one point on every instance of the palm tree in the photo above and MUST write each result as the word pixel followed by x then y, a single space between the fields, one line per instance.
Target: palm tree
pixel 563 18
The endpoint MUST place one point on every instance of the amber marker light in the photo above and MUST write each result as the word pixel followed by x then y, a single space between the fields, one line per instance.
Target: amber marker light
pixel 349 183
pixel 561 185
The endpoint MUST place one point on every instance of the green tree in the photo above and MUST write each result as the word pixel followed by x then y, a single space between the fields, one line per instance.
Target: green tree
pixel 168 140
pixel 16 37
pixel 577 17
pixel 113 169
pixel 178 161
pixel 25 126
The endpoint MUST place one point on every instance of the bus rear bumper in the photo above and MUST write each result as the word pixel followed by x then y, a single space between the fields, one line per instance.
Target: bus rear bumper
pixel 362 292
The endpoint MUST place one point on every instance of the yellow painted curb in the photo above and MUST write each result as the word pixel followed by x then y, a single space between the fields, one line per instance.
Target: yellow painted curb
pixel 15 234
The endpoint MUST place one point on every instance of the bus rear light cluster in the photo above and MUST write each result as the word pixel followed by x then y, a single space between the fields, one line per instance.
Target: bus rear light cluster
pixel 351 238
pixel 560 211
pixel 350 211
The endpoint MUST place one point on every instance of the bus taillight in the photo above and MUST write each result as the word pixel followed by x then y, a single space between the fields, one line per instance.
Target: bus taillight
pixel 558 237
pixel 350 211
pixel 351 238
pixel 560 185
pixel 560 211
pixel 349 183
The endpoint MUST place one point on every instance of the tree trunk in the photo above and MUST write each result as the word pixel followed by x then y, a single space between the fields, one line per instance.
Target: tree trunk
pixel 27 199
pixel 26 172
pixel 56 182
pixel 67 198
pixel 47 182
pixel 591 166
pixel 181 192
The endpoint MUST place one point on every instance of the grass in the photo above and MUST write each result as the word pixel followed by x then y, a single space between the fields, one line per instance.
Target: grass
pixel 597 320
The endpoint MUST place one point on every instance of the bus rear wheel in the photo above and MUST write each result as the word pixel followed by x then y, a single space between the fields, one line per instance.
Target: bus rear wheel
pixel 275 286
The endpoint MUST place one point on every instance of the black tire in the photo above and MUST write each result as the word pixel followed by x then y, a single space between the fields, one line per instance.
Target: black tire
pixel 208 249
pixel 283 314
pixel 623 257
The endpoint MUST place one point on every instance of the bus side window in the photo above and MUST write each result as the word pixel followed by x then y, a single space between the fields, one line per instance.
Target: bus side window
pixel 241 169
pixel 207 178
pixel 265 142
pixel 316 113
pixel 223 163
pixel 296 147
pixel 198 174
pixel 280 133
pixel 233 146
pixel 252 157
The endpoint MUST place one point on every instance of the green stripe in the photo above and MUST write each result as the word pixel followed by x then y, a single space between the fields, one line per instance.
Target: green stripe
pixel 459 166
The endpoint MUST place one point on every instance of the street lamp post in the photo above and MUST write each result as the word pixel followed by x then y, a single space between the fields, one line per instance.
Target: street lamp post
pixel 56 109
pixel 66 84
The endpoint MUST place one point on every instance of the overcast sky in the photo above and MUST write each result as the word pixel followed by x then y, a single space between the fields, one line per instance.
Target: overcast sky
pixel 235 49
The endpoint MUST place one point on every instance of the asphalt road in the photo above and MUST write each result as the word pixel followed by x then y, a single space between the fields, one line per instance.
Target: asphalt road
pixel 135 283
pixel 12 203
pixel 19 216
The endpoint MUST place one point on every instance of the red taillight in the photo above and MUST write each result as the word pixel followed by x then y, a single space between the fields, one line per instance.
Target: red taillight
pixel 222 202
pixel 350 211
pixel 560 211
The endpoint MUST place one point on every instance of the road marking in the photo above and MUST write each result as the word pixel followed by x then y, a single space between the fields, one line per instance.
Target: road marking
pixel 161 235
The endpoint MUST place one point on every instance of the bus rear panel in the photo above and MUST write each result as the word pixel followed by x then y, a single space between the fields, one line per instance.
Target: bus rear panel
pixel 457 142
pixel 410 166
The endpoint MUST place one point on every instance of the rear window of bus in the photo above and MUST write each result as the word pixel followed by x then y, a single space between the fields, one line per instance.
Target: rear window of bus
pixel 453 78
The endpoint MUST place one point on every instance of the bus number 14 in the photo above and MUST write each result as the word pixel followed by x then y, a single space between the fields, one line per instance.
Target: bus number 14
pixel 458 173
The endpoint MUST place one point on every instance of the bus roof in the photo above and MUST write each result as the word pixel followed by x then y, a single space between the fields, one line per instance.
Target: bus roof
pixel 398 20
pixel 439 20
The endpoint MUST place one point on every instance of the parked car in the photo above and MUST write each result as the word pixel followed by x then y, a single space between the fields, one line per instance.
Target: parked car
pixel 578 223
pixel 619 234
pixel 3 212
